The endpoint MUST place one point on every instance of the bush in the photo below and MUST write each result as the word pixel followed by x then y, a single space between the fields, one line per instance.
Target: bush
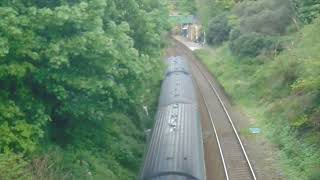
pixel 187 6
pixel 218 30
pixel 234 34
pixel 67 64
pixel 269 17
pixel 251 44
pixel 307 10
pixel 13 166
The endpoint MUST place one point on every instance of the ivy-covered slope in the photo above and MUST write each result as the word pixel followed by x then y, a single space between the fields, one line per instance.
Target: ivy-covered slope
pixel 74 75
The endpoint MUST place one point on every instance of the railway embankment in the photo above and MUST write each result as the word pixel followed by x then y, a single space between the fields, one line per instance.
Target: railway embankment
pixel 266 55
pixel 279 96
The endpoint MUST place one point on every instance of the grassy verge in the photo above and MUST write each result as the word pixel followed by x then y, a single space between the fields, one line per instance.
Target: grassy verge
pixel 263 88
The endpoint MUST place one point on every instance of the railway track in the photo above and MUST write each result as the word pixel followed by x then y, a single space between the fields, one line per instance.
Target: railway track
pixel 234 158
pixel 236 163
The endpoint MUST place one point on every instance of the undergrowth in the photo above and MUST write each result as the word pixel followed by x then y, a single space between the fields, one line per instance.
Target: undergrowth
pixel 282 93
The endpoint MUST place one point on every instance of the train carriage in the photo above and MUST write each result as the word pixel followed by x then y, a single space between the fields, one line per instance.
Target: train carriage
pixel 175 150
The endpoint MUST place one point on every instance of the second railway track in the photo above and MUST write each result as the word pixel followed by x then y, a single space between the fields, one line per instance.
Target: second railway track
pixel 235 161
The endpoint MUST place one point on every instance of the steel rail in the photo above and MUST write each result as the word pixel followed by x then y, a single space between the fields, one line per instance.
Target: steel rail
pixel 230 120
pixel 215 132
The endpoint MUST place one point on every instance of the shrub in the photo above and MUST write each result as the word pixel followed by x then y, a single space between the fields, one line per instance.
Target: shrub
pixel 218 30
pixel 307 10
pixel 13 166
pixel 70 63
pixel 251 44
pixel 234 34
pixel 269 17
pixel 187 6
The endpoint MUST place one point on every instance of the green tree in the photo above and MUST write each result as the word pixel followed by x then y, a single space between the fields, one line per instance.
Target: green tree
pixel 66 63
pixel 218 30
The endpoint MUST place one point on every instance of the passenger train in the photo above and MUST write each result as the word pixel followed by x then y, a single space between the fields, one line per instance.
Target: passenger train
pixel 175 150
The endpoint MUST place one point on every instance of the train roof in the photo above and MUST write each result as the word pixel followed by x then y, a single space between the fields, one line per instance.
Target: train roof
pixel 175 149
pixel 177 64
pixel 177 87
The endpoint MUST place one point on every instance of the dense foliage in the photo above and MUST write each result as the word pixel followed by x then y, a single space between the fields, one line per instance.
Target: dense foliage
pixel 252 44
pixel 208 9
pixel 76 74
pixel 255 26
pixel 186 6
pixel 269 17
pixel 218 30
pixel 282 94
pixel 307 10
pixel 270 65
